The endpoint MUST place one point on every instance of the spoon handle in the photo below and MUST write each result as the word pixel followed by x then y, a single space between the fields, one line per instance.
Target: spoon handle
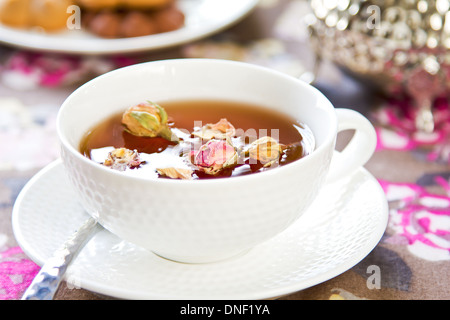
pixel 46 282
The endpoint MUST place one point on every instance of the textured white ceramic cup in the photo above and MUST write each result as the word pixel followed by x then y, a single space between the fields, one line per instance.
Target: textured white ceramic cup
pixel 206 220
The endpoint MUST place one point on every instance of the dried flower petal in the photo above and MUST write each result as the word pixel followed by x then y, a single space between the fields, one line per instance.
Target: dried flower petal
pixel 215 156
pixel 122 158
pixel 175 173
pixel 219 130
pixel 266 150
pixel 147 120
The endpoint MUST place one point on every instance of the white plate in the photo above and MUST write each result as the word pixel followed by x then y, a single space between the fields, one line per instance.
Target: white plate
pixel 343 225
pixel 203 18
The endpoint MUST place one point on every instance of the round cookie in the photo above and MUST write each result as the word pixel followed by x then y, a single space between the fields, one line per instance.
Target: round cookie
pixel 168 19
pixel 137 24
pixel 128 4
pixel 106 24
pixel 15 13
pixel 99 4
pixel 145 4
pixel 126 23
pixel 50 15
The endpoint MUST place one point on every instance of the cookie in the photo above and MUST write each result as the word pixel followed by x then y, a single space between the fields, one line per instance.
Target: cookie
pixel 111 23
pixel 118 4
pixel 15 13
pixel 50 15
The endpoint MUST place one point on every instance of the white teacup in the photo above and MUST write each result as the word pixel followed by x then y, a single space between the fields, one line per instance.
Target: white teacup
pixel 198 221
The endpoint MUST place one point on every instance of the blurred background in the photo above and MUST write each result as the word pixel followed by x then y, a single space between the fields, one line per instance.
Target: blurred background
pixel 389 59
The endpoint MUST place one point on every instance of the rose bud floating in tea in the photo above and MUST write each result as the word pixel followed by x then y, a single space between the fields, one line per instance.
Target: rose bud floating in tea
pixel 122 158
pixel 215 156
pixel 219 130
pixel 147 120
pixel 265 150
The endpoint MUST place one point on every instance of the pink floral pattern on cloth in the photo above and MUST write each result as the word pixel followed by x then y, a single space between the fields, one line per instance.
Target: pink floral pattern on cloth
pixel 420 220
pixel 396 129
pixel 16 273
pixel 26 70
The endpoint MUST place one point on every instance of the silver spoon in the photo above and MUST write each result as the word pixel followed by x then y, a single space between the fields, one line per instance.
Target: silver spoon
pixel 46 282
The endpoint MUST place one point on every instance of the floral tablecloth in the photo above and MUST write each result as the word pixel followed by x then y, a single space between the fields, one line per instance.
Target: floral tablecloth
pixel 414 253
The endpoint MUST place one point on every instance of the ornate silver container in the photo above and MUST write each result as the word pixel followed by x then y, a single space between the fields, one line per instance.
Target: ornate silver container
pixel 396 45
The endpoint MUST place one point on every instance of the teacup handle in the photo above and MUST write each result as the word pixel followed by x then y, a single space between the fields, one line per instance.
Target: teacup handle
pixel 359 149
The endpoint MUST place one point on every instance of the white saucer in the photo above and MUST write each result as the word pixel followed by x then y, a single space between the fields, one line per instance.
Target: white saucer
pixel 343 225
pixel 202 18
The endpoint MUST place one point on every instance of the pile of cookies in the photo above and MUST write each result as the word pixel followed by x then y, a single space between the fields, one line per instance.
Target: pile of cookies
pixel 104 18
pixel 130 18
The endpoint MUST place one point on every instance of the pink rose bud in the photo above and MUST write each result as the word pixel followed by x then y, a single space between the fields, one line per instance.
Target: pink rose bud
pixel 215 156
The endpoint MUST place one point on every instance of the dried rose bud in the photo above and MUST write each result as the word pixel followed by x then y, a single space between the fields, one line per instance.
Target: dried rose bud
pixel 215 156
pixel 219 130
pixel 147 120
pixel 175 173
pixel 122 158
pixel 266 150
